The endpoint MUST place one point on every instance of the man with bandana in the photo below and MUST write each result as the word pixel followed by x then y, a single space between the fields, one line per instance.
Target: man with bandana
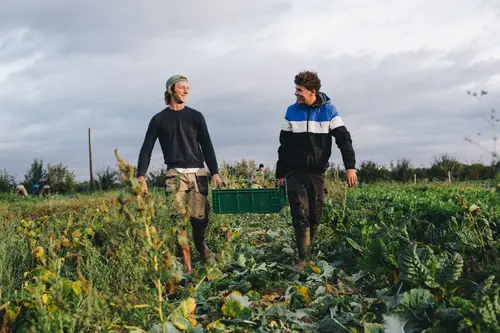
pixel 186 146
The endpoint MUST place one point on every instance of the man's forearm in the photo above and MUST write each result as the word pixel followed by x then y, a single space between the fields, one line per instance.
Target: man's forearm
pixel 143 162
pixel 344 143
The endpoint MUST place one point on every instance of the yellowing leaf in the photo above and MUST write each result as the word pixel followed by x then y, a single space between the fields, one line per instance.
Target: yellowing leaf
pixel 304 292
pixel 67 287
pixel 216 326
pixel 474 208
pixel 373 328
pixel 77 287
pixel 76 234
pixel 183 241
pixel 187 307
pixel 179 321
pixel 231 309
pixel 213 273
pixel 38 252
pixel 253 296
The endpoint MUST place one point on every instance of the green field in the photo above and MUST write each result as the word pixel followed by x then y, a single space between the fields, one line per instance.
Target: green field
pixel 388 258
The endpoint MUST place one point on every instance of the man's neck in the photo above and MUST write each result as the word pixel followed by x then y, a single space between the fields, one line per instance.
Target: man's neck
pixel 312 101
pixel 176 106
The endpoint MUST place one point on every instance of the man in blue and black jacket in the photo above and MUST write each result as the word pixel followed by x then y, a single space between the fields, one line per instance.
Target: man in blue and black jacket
pixel 303 155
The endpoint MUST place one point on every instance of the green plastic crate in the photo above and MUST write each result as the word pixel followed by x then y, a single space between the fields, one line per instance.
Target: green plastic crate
pixel 248 200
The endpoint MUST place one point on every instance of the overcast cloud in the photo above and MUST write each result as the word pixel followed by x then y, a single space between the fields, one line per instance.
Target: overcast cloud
pixel 398 72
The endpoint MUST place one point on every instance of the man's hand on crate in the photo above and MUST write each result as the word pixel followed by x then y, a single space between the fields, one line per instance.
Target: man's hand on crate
pixel 216 180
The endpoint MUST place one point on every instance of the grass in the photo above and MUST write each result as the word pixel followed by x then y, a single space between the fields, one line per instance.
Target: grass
pixel 107 266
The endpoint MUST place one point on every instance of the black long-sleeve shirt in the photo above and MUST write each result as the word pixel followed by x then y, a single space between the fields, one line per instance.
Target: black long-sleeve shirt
pixel 184 140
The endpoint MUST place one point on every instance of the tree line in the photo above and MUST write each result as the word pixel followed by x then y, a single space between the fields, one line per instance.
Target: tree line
pixel 59 178
pixel 62 180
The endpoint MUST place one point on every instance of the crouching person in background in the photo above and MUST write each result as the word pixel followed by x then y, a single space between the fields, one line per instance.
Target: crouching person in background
pixel 38 190
pixel 21 191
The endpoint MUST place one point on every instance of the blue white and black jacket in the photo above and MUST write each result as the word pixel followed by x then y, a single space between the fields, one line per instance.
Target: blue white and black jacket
pixel 306 138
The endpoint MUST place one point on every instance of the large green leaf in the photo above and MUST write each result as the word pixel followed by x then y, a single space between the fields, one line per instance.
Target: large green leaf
pixel 413 270
pixel 417 299
pixel 453 269
pixel 354 244
pixel 180 322
pixel 373 328
pixel 394 324
pixel 232 308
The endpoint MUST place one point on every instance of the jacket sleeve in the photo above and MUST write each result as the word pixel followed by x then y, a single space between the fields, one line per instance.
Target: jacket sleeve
pixel 344 143
pixel 207 146
pixel 147 148
pixel 281 165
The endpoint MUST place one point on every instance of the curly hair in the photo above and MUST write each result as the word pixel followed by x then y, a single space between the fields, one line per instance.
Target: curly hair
pixel 309 80
pixel 168 94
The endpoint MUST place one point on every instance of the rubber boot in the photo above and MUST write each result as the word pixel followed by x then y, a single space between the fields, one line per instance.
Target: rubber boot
pixel 199 243
pixel 303 242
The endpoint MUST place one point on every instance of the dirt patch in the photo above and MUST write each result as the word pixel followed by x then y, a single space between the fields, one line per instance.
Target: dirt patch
pixel 280 291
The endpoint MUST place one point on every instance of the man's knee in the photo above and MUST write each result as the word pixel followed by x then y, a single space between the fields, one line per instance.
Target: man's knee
pixel 199 206
pixel 299 208
pixel 300 223
pixel 198 224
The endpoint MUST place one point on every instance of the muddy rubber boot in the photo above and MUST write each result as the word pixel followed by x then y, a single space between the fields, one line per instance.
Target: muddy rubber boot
pixel 199 243
pixel 303 242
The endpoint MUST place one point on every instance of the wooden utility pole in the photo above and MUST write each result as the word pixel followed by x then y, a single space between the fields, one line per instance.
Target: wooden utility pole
pixel 90 162
pixel 449 177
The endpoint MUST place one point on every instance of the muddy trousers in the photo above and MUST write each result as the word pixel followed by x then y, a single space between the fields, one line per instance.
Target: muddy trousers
pixel 187 193
pixel 306 195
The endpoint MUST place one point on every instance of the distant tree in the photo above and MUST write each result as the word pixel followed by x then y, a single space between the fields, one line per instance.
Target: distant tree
pixel 421 173
pixel 444 164
pixel 156 178
pixel 7 181
pixel 477 171
pixel 60 179
pixel 335 172
pixel 82 186
pixel 370 172
pixel 107 178
pixel 36 174
pixel 401 170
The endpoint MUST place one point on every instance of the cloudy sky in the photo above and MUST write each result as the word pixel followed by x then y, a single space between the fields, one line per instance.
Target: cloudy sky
pixel 398 72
